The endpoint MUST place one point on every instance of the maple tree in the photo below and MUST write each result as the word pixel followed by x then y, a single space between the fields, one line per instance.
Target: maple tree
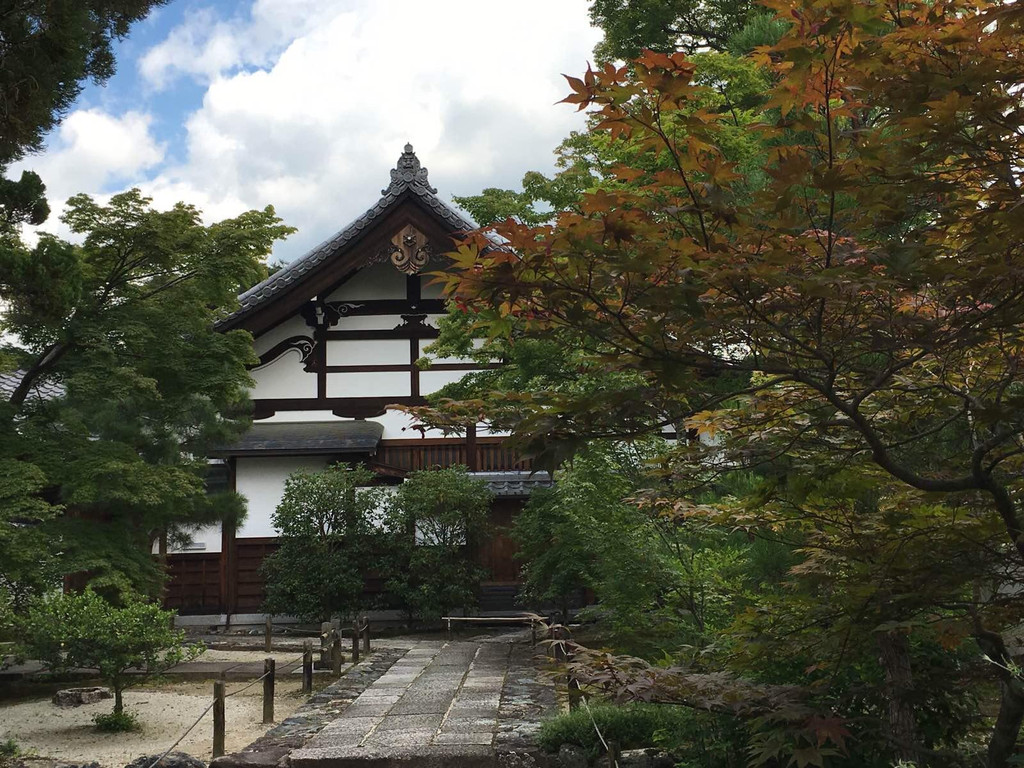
pixel 852 302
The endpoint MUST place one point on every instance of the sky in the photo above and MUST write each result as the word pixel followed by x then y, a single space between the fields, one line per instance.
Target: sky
pixel 307 104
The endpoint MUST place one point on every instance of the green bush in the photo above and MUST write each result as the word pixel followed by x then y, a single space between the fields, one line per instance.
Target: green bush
pixel 9 753
pixel 694 738
pixel 436 519
pixel 329 540
pixel 117 722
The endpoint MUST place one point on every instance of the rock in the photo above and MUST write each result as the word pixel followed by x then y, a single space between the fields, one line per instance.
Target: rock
pixel 76 697
pixel 571 756
pixel 635 758
pixel 173 760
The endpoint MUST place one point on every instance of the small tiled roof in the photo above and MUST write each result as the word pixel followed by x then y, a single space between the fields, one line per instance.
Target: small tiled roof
pixel 514 484
pixel 407 178
pixel 43 389
pixel 308 438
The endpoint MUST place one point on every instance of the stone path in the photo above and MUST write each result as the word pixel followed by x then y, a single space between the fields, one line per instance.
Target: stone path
pixel 466 704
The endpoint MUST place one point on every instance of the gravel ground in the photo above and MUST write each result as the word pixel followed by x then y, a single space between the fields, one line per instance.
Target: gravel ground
pixel 165 711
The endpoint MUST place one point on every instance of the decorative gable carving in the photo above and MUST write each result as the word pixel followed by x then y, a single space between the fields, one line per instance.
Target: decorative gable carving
pixel 408 251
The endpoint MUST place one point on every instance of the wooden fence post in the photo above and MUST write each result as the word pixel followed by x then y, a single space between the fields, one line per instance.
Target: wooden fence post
pixel 218 718
pixel 366 634
pixel 267 631
pixel 336 656
pixel 307 666
pixel 268 690
pixel 326 631
pixel 355 641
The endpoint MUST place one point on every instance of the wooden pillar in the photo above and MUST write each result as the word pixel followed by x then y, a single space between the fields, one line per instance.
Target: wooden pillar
pixel 228 558
pixel 472 456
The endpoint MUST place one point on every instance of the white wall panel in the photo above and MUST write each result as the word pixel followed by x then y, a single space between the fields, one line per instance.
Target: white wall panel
pixel 381 281
pixel 205 539
pixel 395 384
pixel 293 326
pixel 283 378
pixel 398 426
pixel 428 291
pixel 368 323
pixel 261 481
pixel 370 352
pixel 282 416
pixel 431 381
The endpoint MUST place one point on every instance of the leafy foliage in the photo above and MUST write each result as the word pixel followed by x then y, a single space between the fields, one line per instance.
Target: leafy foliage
pixel 117 722
pixel 435 519
pixel 330 536
pixel 120 330
pixel 694 739
pixel 68 631
pixel 48 50
pixel 836 310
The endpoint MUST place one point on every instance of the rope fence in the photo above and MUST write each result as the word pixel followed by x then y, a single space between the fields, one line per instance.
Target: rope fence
pixel 333 636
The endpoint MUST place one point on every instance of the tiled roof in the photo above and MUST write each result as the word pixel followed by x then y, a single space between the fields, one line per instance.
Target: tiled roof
pixel 514 484
pixel 306 438
pixel 407 178
pixel 45 390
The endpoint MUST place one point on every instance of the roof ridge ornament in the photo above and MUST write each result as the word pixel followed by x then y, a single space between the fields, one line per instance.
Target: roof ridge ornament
pixel 408 173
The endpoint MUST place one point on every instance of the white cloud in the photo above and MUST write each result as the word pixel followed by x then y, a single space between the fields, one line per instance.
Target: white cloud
pixel 92 150
pixel 307 103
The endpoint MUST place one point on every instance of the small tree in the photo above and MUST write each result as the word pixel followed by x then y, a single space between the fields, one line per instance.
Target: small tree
pixel 330 536
pixel 67 631
pixel 436 518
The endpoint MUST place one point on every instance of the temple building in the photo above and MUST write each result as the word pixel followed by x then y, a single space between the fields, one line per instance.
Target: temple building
pixel 338 332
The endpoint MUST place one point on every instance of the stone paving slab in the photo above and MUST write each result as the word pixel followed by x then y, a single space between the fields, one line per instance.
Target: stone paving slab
pixel 473 704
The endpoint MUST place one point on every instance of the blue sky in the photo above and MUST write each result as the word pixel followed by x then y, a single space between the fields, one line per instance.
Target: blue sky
pixel 305 104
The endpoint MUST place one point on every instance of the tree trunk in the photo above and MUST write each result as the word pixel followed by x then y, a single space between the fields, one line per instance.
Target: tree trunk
pixel 1003 743
pixel 118 700
pixel 901 727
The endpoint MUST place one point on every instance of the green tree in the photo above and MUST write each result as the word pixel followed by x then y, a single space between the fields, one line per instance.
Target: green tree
pixel 123 381
pixel 436 520
pixel 47 51
pixel 123 644
pixel 331 535
pixel 859 301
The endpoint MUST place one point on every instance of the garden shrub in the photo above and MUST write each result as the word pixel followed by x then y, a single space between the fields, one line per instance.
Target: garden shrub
pixel 694 738
pixel 330 538
pixel 436 520
pixel 9 753
pixel 117 722
pixel 65 631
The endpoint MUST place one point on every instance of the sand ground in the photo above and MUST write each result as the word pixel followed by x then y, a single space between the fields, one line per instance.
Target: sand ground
pixel 165 711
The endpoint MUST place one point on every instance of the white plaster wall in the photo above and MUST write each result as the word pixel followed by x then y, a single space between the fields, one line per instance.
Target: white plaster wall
pixel 398 426
pixel 367 323
pixel 293 326
pixel 282 416
pixel 368 352
pixel 424 343
pixel 205 539
pixel 283 377
pixel 394 384
pixel 431 381
pixel 261 481
pixel 381 281
pixel 431 291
